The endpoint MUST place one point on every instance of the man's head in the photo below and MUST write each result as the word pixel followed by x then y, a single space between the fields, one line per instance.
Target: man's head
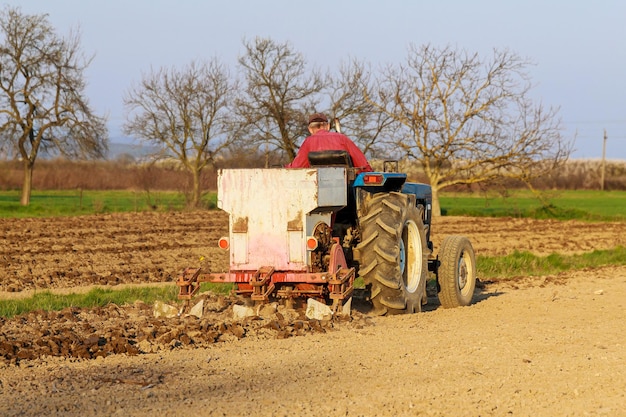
pixel 318 117
pixel 318 121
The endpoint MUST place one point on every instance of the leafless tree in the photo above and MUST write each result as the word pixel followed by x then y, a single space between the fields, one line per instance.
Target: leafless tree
pixel 186 113
pixel 279 91
pixel 43 106
pixel 466 120
pixel 350 87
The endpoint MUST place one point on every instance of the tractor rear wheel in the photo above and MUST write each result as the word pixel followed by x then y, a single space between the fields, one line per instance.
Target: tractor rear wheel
pixel 394 253
pixel 456 274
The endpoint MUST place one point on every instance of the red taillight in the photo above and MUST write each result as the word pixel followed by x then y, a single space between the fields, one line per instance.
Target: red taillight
pixel 373 179
pixel 311 243
pixel 223 243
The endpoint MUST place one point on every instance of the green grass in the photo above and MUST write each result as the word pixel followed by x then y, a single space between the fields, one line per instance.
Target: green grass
pixel 562 205
pixel 82 202
pixel 98 297
pixel 527 264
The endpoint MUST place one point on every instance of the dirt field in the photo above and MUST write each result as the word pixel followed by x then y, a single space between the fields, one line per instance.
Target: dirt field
pixel 546 346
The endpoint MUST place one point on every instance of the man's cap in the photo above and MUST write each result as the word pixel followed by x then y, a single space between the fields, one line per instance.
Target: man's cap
pixel 318 117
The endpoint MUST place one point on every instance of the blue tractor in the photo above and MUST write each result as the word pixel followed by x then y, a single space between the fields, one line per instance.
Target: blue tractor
pixel 303 233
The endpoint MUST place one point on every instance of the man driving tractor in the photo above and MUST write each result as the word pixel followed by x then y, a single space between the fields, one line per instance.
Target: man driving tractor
pixel 322 139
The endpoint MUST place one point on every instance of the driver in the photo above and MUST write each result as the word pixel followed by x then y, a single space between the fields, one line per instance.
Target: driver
pixel 322 139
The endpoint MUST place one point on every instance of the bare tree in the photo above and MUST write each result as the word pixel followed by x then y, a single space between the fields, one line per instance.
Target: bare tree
pixel 42 105
pixel 468 121
pixel 186 113
pixel 279 92
pixel 360 119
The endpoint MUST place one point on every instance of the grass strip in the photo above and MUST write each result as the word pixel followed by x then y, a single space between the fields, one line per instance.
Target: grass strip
pixel 585 205
pixel 54 203
pixel 527 264
pixel 97 297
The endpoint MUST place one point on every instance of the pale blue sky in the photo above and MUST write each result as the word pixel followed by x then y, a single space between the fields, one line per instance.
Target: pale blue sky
pixel 579 47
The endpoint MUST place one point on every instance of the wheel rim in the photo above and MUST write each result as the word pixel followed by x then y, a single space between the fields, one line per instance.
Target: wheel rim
pixel 464 268
pixel 402 257
pixel 411 256
pixel 462 273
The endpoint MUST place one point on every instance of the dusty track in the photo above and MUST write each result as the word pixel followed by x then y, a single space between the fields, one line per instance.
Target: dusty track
pixel 531 346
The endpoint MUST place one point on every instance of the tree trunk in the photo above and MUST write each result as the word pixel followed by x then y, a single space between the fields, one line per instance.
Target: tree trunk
pixel 27 185
pixel 436 206
pixel 195 193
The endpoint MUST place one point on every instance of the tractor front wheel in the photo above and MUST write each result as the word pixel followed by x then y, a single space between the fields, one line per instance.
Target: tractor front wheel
pixel 456 274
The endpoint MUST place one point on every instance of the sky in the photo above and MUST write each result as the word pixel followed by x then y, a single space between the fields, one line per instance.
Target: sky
pixel 578 48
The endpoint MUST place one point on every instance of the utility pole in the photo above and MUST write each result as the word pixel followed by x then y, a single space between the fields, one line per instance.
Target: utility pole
pixel 603 166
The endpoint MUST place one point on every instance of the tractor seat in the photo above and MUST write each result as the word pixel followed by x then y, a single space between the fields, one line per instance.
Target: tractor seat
pixel 338 158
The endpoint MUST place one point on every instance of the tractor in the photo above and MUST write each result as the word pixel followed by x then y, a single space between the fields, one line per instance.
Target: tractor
pixel 309 233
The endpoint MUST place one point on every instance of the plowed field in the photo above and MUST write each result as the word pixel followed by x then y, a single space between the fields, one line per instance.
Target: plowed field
pixel 528 346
